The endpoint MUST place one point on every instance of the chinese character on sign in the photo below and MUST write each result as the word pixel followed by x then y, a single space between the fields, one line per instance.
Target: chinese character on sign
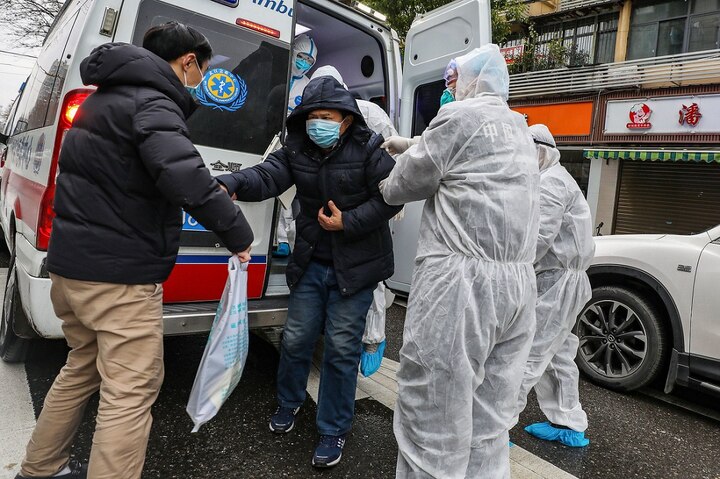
pixel 690 114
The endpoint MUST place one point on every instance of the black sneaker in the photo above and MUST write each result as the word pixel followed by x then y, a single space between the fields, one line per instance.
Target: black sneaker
pixel 283 420
pixel 328 451
pixel 77 471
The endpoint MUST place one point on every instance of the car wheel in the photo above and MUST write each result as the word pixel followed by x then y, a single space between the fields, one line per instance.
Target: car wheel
pixel 623 343
pixel 13 349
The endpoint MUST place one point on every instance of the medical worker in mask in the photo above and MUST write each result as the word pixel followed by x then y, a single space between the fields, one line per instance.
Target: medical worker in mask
pixel 343 249
pixel 399 144
pixel 471 312
pixel 450 77
pixel 565 249
pixel 374 338
pixel 304 57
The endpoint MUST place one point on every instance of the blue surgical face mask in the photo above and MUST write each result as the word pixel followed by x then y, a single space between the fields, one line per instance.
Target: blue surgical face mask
pixel 302 65
pixel 193 92
pixel 193 89
pixel 447 97
pixel 324 133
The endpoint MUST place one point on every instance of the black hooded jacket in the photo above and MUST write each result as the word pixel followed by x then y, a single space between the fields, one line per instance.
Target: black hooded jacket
pixel 349 175
pixel 127 167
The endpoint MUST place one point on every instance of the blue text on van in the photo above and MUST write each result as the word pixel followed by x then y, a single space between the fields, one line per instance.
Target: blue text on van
pixel 277 6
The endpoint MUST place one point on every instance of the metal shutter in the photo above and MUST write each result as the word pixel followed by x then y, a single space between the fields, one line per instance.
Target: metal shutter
pixel 667 197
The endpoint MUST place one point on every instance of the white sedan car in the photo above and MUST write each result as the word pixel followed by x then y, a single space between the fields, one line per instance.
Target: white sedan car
pixel 655 310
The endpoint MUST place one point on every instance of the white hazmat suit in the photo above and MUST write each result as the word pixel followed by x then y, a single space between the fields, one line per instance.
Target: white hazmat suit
pixel 304 57
pixel 565 249
pixel 471 312
pixel 304 50
pixel 379 122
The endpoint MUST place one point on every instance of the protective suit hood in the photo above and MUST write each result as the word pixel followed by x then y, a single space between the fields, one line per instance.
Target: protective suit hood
pixel 548 154
pixel 303 44
pixel 483 70
pixel 329 71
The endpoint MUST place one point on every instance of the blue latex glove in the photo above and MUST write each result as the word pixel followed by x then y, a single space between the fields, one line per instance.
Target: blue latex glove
pixel 568 437
pixel 370 362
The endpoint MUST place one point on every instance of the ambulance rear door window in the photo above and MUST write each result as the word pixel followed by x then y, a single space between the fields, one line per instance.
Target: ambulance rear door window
pixel 242 97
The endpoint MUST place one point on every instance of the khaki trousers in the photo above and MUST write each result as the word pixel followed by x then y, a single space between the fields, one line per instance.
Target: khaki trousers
pixel 116 335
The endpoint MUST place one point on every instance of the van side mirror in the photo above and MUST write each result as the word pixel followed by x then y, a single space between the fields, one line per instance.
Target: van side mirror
pixel 3 139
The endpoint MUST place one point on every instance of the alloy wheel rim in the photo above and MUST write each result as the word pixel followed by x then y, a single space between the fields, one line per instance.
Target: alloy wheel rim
pixel 613 339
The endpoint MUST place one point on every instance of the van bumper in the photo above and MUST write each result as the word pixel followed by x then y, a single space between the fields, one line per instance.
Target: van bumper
pixel 191 318
pixel 178 319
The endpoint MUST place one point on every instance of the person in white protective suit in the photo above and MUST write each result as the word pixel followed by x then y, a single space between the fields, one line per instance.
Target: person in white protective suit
pixel 471 311
pixel 374 338
pixel 304 57
pixel 565 249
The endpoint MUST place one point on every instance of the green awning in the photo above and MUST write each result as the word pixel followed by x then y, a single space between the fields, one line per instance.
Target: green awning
pixel 654 155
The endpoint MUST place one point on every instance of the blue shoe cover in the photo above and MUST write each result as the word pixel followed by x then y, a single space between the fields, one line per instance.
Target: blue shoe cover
pixel 370 362
pixel 510 444
pixel 568 437
pixel 282 251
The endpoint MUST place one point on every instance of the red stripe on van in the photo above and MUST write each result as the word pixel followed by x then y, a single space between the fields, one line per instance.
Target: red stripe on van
pixel 28 195
pixel 206 282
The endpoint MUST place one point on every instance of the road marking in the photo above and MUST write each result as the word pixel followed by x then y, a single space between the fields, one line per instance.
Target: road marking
pixel 16 410
pixel 382 387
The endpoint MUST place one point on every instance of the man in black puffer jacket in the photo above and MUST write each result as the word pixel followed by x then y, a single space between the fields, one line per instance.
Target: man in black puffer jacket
pixel 342 250
pixel 127 168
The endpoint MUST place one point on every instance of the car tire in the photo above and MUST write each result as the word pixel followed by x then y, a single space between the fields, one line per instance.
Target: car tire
pixel 623 341
pixel 13 349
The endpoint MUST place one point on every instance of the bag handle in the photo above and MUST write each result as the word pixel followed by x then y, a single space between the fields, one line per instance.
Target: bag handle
pixel 234 264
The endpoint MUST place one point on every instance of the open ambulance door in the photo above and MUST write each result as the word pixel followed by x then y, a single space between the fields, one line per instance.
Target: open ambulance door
pixel 434 39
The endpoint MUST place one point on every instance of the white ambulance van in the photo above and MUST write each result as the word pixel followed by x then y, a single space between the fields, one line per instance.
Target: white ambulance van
pixel 240 112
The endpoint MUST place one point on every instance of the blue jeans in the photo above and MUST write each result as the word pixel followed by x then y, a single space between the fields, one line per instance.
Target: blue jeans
pixel 316 306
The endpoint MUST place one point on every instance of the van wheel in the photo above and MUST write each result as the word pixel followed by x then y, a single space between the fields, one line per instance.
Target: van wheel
pixel 623 343
pixel 13 349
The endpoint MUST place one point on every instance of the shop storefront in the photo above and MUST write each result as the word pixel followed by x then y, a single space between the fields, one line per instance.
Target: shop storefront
pixel 664 191
pixel 647 164
pixel 664 151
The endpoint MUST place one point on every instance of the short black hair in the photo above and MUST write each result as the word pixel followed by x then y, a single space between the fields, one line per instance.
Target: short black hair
pixel 172 40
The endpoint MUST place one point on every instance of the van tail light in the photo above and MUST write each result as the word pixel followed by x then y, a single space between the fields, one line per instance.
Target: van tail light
pixel 69 110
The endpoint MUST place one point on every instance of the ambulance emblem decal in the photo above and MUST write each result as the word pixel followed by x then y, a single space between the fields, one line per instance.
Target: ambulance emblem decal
pixel 222 90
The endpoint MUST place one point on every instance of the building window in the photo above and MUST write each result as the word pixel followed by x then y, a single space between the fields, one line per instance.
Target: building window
pixel 589 40
pixel 670 27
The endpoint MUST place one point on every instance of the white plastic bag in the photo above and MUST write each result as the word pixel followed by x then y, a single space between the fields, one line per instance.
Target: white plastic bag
pixel 226 351
pixel 375 322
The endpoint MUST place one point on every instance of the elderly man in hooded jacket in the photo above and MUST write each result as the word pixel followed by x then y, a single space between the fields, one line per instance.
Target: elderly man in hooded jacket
pixel 342 250
pixel 471 311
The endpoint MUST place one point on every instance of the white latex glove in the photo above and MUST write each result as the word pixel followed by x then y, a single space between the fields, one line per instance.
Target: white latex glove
pixel 396 145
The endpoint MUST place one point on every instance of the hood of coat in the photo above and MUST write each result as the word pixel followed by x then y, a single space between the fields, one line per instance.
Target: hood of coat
pixel 326 93
pixel 116 64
